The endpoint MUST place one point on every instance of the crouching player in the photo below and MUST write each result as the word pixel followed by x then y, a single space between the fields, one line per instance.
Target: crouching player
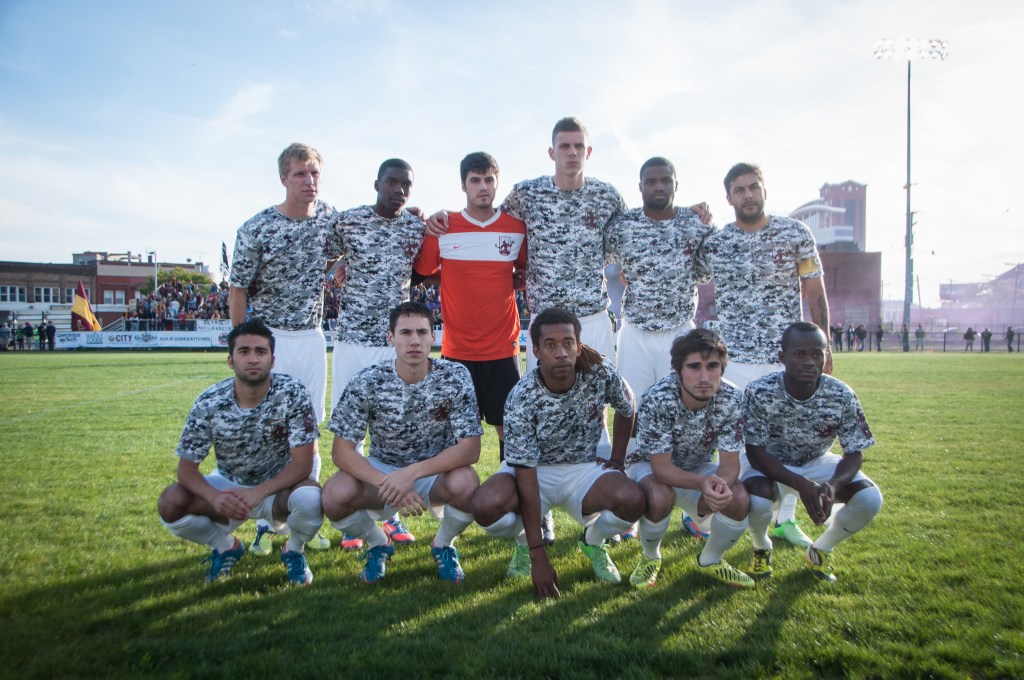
pixel 792 418
pixel 424 439
pixel 262 428
pixel 553 424
pixel 683 418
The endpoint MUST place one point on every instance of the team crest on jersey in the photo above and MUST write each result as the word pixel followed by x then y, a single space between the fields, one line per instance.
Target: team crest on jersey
pixel 504 245
pixel 442 409
pixel 411 249
pixel 278 430
pixel 594 411
pixel 590 221
pixel 829 429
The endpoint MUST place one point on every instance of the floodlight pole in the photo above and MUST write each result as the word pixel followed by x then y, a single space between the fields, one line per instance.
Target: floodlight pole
pixel 156 271
pixel 890 48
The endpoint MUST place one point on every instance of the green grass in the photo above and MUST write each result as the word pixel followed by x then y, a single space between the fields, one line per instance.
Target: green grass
pixel 92 585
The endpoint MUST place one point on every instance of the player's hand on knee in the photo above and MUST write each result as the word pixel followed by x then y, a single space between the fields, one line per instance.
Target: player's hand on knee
pixel 395 485
pixel 412 504
pixel 810 494
pixel 231 505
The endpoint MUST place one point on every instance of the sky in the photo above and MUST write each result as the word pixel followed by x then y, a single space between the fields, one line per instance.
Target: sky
pixel 145 126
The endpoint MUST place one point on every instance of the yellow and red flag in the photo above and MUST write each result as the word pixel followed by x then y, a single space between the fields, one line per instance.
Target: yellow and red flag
pixel 82 318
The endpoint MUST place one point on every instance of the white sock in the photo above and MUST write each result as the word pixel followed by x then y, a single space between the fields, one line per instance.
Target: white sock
pixel 305 517
pixel 604 527
pixel 202 530
pixel 858 512
pixel 509 525
pixel 725 531
pixel 454 523
pixel 787 506
pixel 651 534
pixel 759 517
pixel 361 525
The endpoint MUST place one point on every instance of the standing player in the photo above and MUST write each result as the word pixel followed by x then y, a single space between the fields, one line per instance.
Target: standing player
pixel 262 428
pixel 278 271
pixel 552 428
pixel 792 419
pixel 761 266
pixel 477 257
pixel 424 438
pixel 683 418
pixel 377 245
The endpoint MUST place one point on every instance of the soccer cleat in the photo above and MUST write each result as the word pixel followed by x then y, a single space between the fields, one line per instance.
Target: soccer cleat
pixel 376 562
pixel 600 560
pixel 728 574
pixel 261 545
pixel 629 533
pixel 547 528
pixel 448 567
pixel 319 542
pixel 222 562
pixel 295 564
pixel 646 572
pixel 820 562
pixel 519 565
pixel 691 527
pixel 792 532
pixel 397 531
pixel 350 542
pixel 761 564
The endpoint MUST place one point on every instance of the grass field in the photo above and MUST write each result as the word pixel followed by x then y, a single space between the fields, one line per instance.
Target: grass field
pixel 91 584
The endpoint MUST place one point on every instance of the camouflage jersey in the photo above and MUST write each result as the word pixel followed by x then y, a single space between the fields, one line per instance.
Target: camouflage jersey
pixel 408 423
pixel 665 425
pixel 544 428
pixel 251 445
pixel 757 284
pixel 377 253
pixel 280 261
pixel 565 236
pixel 796 432
pixel 659 261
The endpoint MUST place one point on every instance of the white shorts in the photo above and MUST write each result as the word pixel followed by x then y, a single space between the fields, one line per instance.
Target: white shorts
pixel 595 332
pixel 819 470
pixel 642 357
pixel 687 499
pixel 422 486
pixel 349 359
pixel 303 355
pixel 739 374
pixel 264 511
pixel 565 486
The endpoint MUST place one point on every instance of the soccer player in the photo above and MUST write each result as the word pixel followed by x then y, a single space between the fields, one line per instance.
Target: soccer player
pixel 683 418
pixel 278 271
pixel 552 429
pixel 792 419
pixel 262 427
pixel 424 438
pixel 657 246
pixel 478 257
pixel 377 245
pixel 761 265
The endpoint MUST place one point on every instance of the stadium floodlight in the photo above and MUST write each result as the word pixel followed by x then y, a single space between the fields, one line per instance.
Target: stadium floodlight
pixel 910 49
pixel 156 270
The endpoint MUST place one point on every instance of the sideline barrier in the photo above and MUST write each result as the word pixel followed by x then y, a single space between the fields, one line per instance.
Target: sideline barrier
pixel 214 335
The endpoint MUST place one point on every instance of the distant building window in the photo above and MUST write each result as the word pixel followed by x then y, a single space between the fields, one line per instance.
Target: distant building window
pixel 50 295
pixel 13 294
pixel 119 297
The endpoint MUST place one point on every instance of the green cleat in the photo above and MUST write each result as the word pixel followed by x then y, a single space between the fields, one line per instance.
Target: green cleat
pixel 261 545
pixel 792 532
pixel 820 562
pixel 600 560
pixel 761 564
pixel 319 542
pixel 727 574
pixel 519 566
pixel 646 572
